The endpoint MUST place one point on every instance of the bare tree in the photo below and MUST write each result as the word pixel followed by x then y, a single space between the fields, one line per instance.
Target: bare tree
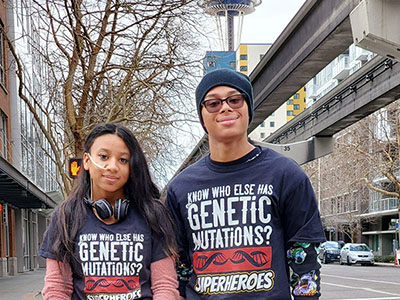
pixel 364 164
pixel 343 200
pixel 377 140
pixel 111 61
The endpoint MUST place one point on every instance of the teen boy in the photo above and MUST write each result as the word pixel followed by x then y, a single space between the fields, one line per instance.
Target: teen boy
pixel 244 214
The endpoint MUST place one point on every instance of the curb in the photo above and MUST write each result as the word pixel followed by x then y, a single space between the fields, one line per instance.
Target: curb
pixel 387 265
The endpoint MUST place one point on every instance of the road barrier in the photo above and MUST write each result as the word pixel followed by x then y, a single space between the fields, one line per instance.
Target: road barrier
pixel 397 258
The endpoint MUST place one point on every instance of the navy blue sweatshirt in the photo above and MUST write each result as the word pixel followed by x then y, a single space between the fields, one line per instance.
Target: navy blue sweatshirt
pixel 247 228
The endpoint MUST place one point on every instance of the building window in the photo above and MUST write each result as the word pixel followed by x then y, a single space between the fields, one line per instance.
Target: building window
pixel 262 124
pixel 211 64
pixel 2 58
pixel 243 56
pixel 262 135
pixel 272 124
pixel 296 106
pixel 290 101
pixel 290 112
pixel 3 134
pixel 296 96
pixel 243 68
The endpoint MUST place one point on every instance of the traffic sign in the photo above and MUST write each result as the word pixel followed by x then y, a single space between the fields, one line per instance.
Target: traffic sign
pixel 74 166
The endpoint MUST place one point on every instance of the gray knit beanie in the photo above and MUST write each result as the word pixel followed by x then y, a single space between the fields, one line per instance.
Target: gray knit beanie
pixel 225 77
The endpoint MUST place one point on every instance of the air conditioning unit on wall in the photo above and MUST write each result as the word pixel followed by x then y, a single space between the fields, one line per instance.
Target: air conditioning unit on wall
pixel 375 25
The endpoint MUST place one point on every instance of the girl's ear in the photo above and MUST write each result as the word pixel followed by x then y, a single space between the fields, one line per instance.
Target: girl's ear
pixel 85 161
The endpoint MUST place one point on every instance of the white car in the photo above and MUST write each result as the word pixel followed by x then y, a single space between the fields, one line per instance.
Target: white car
pixel 356 253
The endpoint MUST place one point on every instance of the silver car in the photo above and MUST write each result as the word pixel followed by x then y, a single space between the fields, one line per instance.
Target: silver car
pixel 356 253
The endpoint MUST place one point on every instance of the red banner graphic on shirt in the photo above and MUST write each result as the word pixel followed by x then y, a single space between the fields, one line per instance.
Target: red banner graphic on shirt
pixel 111 284
pixel 239 259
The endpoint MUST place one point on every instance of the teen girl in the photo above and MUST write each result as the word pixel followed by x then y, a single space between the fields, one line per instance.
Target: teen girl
pixel 111 238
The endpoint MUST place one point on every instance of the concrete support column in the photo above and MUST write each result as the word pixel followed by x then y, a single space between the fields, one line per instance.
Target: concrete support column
pixel 12 266
pixel 41 231
pixel 3 267
pixel 19 239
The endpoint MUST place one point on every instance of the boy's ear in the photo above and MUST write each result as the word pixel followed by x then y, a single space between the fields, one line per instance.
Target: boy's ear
pixel 85 161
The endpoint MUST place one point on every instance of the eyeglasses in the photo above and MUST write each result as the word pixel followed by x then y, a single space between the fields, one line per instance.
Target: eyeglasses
pixel 214 105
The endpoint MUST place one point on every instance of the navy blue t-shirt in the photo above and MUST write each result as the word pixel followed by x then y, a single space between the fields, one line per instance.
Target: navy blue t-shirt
pixel 115 259
pixel 242 223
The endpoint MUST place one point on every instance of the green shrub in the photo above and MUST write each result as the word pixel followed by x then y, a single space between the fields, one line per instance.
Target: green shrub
pixel 386 259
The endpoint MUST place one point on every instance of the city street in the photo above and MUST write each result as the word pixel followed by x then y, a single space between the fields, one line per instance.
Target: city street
pixel 359 282
pixel 338 283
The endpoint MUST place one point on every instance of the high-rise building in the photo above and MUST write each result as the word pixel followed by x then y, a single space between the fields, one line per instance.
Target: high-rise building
pixel 27 171
pixel 214 60
pixel 248 56
pixel 5 146
pixel 337 70
pixel 296 104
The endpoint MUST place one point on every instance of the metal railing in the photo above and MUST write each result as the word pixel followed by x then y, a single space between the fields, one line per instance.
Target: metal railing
pixel 383 204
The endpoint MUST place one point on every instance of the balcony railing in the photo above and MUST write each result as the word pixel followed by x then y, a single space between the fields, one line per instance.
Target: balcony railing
pixel 312 91
pixel 383 204
pixel 341 68
pixel 361 54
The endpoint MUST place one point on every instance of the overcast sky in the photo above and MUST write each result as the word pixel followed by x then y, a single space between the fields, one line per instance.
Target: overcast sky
pixel 268 21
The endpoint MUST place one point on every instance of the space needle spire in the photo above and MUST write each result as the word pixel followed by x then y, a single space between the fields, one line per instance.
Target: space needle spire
pixel 227 10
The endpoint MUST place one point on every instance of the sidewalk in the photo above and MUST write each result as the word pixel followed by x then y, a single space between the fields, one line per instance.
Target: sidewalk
pixel 24 286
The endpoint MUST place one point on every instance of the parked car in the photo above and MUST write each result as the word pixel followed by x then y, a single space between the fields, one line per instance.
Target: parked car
pixel 329 252
pixel 356 253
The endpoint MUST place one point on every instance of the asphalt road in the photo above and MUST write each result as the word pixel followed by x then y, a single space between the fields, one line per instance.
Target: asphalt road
pixel 338 283
pixel 359 282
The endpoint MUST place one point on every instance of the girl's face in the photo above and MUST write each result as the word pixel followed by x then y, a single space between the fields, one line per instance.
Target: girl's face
pixel 108 166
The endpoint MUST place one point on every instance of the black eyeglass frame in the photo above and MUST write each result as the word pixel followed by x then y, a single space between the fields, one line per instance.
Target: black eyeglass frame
pixel 221 102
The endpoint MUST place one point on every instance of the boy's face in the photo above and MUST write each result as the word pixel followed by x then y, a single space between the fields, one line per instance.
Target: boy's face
pixel 227 123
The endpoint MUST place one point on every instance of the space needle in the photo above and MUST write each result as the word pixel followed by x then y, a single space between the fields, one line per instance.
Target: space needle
pixel 227 10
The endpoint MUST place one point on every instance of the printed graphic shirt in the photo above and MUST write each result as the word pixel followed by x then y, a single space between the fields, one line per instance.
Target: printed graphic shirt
pixel 243 223
pixel 115 259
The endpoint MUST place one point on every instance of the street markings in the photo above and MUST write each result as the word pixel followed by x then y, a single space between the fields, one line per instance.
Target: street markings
pixel 365 289
pixel 386 298
pixel 360 279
